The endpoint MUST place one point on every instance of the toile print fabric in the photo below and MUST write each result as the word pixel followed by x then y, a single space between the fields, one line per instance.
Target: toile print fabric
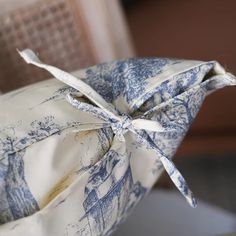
pixel 79 151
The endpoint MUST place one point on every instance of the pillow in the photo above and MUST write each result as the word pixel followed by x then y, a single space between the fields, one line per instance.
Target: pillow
pixel 78 152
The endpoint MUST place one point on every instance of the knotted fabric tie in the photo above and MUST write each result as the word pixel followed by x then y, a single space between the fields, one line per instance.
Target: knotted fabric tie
pixel 120 123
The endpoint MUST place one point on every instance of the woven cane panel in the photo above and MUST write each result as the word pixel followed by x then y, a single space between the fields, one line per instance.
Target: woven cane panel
pixel 51 28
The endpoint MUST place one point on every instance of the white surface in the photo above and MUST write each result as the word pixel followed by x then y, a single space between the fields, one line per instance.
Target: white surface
pixel 165 213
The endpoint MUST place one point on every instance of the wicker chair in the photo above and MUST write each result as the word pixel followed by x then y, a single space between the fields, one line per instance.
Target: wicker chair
pixel 70 34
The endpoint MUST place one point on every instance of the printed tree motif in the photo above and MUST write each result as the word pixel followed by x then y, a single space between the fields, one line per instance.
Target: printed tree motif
pixel 124 78
pixel 16 199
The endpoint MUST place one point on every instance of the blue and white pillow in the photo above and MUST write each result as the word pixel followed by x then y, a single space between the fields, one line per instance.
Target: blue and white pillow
pixel 78 152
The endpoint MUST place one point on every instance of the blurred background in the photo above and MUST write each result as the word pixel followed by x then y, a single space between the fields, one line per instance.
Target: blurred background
pixel 73 34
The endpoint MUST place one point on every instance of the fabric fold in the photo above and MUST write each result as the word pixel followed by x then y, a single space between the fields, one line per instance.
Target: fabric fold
pixel 86 148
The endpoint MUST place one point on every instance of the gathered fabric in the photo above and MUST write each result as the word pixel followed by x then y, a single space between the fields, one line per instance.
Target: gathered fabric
pixel 120 123
pixel 78 153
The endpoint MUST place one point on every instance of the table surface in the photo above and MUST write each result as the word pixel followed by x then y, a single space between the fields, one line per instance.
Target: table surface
pixel 166 213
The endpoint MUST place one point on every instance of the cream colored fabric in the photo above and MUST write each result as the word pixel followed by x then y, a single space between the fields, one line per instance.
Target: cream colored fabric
pixel 75 160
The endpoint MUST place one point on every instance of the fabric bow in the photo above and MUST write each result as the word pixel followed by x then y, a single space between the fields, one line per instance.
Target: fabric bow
pixel 120 123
